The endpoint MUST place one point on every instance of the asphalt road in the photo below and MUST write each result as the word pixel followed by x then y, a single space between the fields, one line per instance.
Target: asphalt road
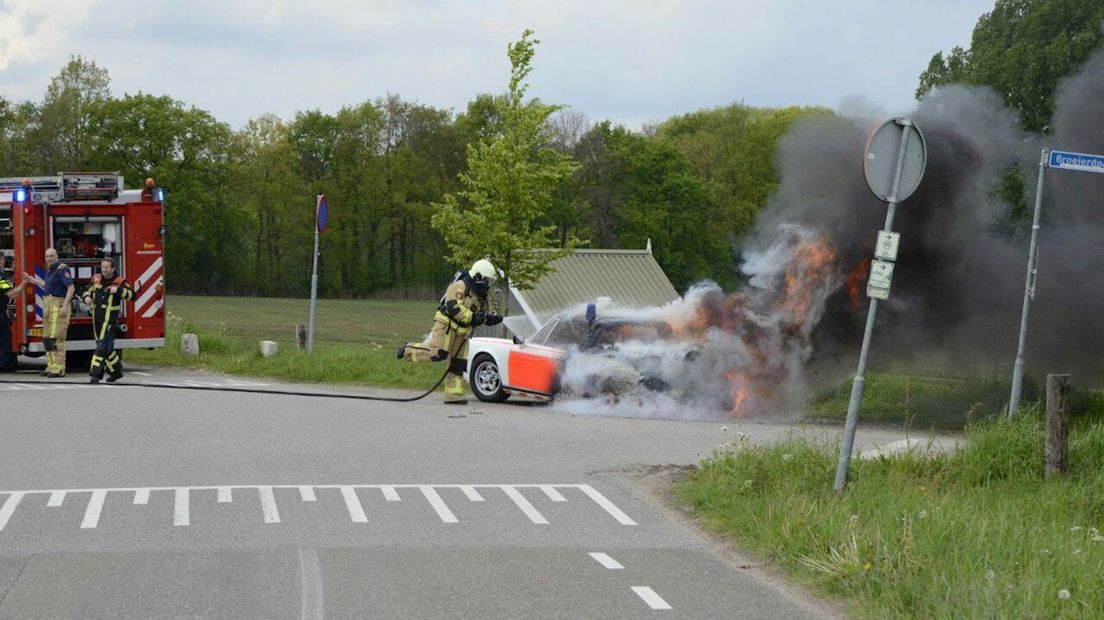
pixel 130 502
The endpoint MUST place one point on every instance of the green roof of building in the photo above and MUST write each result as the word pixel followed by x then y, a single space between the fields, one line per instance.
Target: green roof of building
pixel 630 278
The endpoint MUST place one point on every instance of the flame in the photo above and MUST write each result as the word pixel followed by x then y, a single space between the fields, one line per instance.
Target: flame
pixel 738 387
pixel 855 280
pixel 811 265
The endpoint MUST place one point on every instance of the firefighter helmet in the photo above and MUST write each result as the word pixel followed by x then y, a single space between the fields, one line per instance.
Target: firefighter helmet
pixel 483 271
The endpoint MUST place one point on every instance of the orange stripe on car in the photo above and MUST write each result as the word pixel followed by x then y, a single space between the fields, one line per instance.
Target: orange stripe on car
pixel 534 373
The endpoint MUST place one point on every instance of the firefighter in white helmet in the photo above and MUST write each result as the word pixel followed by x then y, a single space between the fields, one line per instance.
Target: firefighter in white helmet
pixel 463 307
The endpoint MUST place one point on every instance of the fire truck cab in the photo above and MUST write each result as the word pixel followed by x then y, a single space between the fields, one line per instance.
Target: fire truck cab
pixel 87 217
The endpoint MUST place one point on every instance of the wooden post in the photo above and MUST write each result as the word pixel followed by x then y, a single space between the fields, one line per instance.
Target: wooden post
pixel 301 336
pixel 1057 424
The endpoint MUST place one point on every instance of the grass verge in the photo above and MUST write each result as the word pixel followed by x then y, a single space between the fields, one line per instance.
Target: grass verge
pixel 971 534
pixel 931 402
pixel 355 342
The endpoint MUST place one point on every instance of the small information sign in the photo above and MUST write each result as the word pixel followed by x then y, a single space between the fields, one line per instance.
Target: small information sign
pixel 886 248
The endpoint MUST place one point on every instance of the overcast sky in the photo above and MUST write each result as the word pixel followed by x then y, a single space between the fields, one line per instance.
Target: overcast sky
pixel 631 61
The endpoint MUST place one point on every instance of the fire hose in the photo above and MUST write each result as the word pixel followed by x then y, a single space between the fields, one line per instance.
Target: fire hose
pixel 170 386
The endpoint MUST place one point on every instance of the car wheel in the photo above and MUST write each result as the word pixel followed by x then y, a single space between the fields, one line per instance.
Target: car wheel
pixel 486 380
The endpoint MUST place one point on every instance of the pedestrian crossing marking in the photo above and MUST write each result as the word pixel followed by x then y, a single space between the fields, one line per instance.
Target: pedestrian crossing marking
pixel 270 514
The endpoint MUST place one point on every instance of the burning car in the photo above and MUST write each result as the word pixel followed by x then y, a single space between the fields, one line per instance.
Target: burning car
pixel 709 354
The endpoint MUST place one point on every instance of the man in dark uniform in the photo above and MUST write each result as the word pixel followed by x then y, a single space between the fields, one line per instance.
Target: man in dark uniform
pixel 106 296
pixel 10 294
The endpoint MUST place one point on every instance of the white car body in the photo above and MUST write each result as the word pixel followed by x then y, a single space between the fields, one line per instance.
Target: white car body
pixel 499 368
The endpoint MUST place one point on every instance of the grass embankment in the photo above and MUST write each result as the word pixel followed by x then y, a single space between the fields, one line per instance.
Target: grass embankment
pixel 355 340
pixel 918 400
pixel 979 533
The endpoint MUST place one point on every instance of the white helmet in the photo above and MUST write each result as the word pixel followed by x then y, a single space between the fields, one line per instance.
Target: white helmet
pixel 483 271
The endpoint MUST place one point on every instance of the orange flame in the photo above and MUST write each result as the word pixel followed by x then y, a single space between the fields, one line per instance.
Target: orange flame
pixel 855 280
pixel 812 263
pixel 738 388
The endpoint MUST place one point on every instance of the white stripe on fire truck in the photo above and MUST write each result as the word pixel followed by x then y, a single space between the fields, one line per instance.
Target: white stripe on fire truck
pixel 40 293
pixel 154 307
pixel 147 294
pixel 150 271
pixel 148 288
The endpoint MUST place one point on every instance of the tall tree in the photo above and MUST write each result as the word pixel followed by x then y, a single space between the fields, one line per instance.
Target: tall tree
pixel 1021 49
pixel 68 112
pixel 501 212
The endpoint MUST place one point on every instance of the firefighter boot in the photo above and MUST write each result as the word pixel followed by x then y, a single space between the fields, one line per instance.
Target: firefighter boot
pixel 96 368
pixel 454 382
pixel 114 367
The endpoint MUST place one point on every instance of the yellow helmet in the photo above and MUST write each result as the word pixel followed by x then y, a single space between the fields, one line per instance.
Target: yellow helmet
pixel 483 271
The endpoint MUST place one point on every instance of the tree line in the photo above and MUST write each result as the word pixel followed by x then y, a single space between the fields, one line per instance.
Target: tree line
pixel 240 202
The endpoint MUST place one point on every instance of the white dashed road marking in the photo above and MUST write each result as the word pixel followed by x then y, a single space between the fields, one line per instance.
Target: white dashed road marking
pixel 271 514
pixel 650 597
pixel 352 503
pixel 525 506
pixel 95 506
pixel 391 495
pixel 471 493
pixel 181 514
pixel 601 500
pixel 268 505
pixel 607 561
pixel 553 494
pixel 9 507
pixel 439 505
pixel 311 577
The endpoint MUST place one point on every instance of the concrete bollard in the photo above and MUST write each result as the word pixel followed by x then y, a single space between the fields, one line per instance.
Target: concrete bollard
pixel 189 344
pixel 268 348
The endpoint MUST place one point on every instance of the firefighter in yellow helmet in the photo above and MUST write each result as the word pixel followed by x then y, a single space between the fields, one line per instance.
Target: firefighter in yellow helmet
pixel 463 307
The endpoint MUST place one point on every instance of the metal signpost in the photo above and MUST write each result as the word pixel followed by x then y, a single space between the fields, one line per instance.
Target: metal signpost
pixel 1062 160
pixel 894 165
pixel 321 221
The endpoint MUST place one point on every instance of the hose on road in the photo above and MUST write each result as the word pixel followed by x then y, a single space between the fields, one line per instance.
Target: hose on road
pixel 170 386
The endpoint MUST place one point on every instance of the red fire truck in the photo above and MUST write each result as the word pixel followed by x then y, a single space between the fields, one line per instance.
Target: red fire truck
pixel 86 217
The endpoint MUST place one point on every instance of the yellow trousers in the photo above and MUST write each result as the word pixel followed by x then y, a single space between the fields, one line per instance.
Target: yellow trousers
pixel 446 341
pixel 55 323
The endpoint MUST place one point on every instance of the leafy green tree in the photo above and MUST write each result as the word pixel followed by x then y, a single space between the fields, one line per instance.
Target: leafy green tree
pixel 1021 49
pixel 279 209
pixel 19 153
pixel 661 199
pixel 731 149
pixel 501 212
pixel 186 151
pixel 68 111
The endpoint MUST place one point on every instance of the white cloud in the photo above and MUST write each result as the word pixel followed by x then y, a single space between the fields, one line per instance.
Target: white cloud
pixel 619 59
pixel 29 29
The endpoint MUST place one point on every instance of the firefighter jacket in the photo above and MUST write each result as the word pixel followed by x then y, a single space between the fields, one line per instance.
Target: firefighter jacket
pixel 462 299
pixel 105 304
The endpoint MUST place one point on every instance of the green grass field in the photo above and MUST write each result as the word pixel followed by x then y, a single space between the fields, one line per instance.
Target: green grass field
pixel 979 533
pixel 355 342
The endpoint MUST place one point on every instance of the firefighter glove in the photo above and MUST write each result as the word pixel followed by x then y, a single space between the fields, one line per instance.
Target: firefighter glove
pixel 478 319
pixel 493 319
